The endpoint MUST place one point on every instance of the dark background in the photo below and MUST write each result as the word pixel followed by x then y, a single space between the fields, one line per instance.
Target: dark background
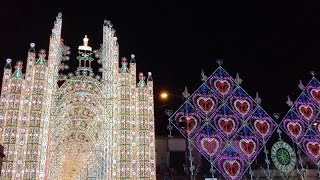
pixel 271 44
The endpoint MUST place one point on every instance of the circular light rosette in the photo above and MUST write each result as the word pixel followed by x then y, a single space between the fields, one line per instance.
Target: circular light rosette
pixel 283 156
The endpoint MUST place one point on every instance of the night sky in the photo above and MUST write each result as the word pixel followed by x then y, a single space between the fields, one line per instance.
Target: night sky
pixel 271 45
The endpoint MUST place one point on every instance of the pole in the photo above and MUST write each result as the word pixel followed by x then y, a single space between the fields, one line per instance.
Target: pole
pixel 186 168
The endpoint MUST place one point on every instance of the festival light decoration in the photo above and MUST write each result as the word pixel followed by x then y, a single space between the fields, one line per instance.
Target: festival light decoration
pixel 89 127
pixel 301 123
pixel 283 156
pixel 226 125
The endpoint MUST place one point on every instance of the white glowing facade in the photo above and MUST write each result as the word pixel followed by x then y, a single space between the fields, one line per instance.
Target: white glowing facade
pixel 90 127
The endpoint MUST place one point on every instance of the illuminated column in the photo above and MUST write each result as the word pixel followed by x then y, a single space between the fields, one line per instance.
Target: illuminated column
pixel 54 60
pixel 36 106
pixel 109 56
pixel 116 124
pixel 107 78
pixel 143 145
pixel 23 124
pixel 124 119
pixel 11 142
pixel 151 133
pixel 5 90
pixel 6 116
pixel 133 117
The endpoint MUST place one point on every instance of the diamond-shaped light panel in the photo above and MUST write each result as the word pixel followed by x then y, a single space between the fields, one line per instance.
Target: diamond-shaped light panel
pixel 302 122
pixel 224 123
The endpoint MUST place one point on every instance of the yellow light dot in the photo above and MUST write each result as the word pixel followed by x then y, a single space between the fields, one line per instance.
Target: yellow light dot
pixel 164 95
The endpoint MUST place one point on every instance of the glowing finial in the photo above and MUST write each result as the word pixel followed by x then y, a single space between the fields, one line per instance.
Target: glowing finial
pixel 124 63
pixel 18 73
pixel 85 40
pixel 289 102
pixel 124 60
pixel 8 61
pixel 18 65
pixel 42 53
pixel 132 60
pixel 149 76
pixel 300 85
pixel 32 50
pixel 141 78
pixel 85 46
pixel 107 23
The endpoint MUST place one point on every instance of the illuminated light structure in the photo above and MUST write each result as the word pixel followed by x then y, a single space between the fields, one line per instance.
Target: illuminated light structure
pixel 89 127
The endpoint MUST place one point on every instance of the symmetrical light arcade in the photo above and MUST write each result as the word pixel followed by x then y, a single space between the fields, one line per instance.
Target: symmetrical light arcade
pixel 89 127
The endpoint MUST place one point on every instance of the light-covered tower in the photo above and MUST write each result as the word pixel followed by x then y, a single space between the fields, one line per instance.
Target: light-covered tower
pixel 34 99
pixel 129 111
pixel 109 59
pixel 145 128
pixel 51 90
pixel 26 104
pixel 150 138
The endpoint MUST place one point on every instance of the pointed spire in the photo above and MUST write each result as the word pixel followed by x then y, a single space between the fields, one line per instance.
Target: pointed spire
pixel 219 61
pixel 107 23
pixel 133 60
pixel 276 115
pixel 257 98
pixel 124 63
pixel 56 31
pixel 289 102
pixel 185 93
pixel 141 83
pixel 300 85
pixel 32 49
pixel 313 73
pixel 59 16
pixel 18 73
pixel 149 76
pixel 238 80
pixel 8 64
pixel 203 76
pixel 42 55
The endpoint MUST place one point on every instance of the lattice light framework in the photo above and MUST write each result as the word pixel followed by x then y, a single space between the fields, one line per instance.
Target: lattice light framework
pixel 89 127
pixel 302 122
pixel 225 124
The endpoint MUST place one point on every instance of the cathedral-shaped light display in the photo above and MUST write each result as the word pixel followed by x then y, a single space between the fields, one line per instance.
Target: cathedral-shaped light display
pixel 88 127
